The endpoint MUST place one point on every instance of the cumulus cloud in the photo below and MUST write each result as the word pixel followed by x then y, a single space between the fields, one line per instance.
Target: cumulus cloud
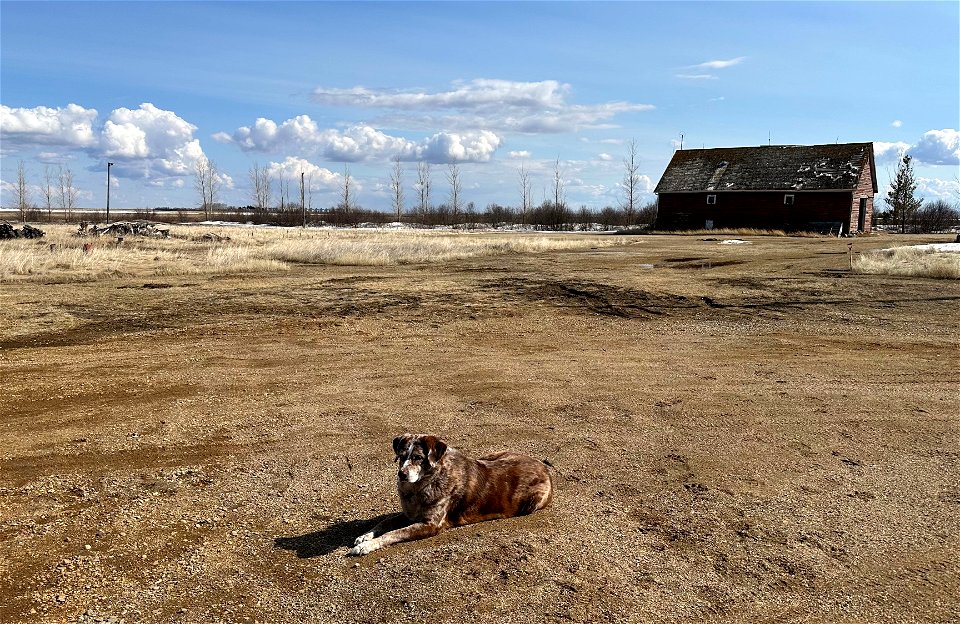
pixel 317 178
pixel 896 123
pixel 151 140
pixel 938 147
pixel 519 154
pixel 71 126
pixel 888 152
pixel 361 142
pixel 604 156
pixel 940 189
pixel 935 147
pixel 494 105
pixel 146 142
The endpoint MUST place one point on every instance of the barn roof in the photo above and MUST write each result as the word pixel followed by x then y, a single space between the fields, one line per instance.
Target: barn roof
pixel 773 167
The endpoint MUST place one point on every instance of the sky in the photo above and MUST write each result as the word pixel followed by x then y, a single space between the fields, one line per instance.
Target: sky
pixel 341 89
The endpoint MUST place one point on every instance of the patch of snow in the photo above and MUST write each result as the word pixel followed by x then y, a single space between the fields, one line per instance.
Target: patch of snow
pixel 734 241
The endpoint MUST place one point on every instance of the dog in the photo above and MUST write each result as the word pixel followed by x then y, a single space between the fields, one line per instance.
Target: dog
pixel 440 487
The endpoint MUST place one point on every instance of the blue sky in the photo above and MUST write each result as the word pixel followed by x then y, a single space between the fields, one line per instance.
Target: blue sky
pixel 329 88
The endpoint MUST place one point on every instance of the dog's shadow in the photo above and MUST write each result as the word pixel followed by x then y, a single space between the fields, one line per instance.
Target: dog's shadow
pixel 329 539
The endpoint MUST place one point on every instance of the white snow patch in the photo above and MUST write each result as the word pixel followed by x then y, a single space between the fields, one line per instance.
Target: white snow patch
pixel 735 241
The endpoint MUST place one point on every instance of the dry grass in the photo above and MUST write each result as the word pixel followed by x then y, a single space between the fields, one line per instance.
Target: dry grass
pixel 61 255
pixel 731 232
pixel 909 262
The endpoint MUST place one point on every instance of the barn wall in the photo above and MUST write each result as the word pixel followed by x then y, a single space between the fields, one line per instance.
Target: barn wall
pixel 762 210
pixel 864 189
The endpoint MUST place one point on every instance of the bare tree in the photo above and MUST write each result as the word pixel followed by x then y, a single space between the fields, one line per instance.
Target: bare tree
pixel 526 192
pixel 303 201
pixel 48 192
pixel 630 203
pixel 21 192
pixel 396 185
pixel 456 188
pixel 345 199
pixel 559 195
pixel 423 186
pixel 260 182
pixel 207 183
pixel 66 194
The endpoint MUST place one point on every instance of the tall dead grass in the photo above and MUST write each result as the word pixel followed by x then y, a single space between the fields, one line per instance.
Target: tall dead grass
pixel 63 256
pixel 909 262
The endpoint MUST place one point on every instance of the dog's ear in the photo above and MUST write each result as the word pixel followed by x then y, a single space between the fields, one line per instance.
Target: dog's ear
pixel 400 444
pixel 437 448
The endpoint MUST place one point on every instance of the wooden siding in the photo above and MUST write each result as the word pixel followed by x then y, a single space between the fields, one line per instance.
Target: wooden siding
pixel 818 211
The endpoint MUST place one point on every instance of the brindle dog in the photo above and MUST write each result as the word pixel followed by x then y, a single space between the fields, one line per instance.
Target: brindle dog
pixel 440 487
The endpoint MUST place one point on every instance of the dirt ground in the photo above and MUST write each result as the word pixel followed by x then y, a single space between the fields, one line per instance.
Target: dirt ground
pixel 741 433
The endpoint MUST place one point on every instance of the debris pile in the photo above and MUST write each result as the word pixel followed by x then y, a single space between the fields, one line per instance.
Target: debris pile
pixel 28 231
pixel 123 228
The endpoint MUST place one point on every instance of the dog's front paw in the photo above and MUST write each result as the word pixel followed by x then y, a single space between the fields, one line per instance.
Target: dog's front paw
pixel 363 548
pixel 366 537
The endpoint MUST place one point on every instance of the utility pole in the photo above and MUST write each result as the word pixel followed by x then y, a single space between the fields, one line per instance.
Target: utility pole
pixel 303 206
pixel 109 164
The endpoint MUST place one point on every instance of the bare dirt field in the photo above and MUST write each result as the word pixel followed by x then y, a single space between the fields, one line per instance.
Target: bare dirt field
pixel 741 433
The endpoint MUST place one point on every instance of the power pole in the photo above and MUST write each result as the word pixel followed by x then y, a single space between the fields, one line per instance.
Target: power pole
pixel 303 206
pixel 109 164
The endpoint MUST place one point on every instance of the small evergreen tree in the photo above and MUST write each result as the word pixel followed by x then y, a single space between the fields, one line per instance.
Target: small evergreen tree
pixel 900 197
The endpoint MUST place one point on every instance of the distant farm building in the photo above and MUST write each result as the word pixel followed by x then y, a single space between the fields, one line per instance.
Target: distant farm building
pixel 825 188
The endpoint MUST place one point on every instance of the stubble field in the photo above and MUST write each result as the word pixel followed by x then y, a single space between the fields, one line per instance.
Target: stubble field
pixel 741 433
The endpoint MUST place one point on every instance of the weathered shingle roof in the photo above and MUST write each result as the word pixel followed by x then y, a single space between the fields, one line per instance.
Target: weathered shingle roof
pixel 775 167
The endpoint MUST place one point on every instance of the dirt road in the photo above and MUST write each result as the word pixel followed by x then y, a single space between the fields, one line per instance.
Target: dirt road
pixel 740 433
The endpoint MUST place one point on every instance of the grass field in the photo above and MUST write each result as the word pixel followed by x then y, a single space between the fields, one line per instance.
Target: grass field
pixel 740 433
pixel 64 256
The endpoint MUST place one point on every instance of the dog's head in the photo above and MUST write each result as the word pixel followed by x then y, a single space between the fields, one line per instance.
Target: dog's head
pixel 418 455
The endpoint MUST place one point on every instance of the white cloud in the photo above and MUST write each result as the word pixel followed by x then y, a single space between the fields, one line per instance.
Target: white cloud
pixel 483 104
pixel 317 178
pixel 479 93
pixel 939 189
pixel 362 142
pixel 150 142
pixel 696 76
pixel 719 64
pixel 938 147
pixel 605 156
pixel 888 152
pixel 519 154
pixel 935 147
pixel 146 142
pixel 71 126
pixel 896 123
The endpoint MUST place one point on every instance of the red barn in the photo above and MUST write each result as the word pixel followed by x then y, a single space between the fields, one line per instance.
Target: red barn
pixel 827 188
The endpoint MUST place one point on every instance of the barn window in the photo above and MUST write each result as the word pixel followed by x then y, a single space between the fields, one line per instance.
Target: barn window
pixel 711 199
pixel 788 200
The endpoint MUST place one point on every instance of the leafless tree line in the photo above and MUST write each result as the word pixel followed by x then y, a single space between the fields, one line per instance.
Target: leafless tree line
pixel 57 192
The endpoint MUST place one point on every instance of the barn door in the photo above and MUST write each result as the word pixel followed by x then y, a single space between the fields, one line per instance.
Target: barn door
pixel 862 219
